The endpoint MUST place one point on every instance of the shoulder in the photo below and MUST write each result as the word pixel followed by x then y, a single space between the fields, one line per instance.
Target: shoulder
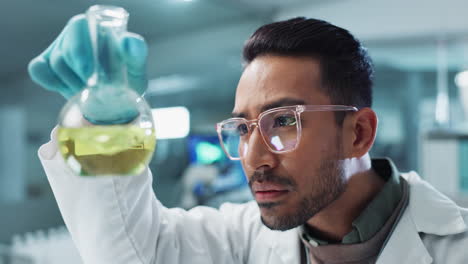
pixel 229 215
pixel 440 222
pixel 450 248
pixel 249 209
pixel 242 216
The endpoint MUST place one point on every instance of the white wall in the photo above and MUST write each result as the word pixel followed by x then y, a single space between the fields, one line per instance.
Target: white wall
pixel 384 19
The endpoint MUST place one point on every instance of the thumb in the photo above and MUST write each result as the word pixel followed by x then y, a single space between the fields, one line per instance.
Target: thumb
pixel 135 53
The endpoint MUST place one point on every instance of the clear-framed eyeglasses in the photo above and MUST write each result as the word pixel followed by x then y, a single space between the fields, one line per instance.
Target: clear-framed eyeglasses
pixel 279 127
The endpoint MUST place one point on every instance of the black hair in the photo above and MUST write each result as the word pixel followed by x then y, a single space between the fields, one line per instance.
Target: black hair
pixel 346 68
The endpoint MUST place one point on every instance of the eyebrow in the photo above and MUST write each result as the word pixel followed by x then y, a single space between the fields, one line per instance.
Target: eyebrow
pixel 278 103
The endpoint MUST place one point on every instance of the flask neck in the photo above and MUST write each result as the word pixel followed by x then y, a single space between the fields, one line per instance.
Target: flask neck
pixel 106 24
pixel 108 100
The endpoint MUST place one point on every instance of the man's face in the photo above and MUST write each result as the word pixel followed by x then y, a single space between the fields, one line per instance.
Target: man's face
pixel 290 188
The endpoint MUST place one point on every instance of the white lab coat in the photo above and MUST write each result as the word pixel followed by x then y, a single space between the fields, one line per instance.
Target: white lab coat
pixel 118 220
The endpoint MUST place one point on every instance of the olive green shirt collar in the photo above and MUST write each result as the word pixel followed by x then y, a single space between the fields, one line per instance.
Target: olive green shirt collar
pixel 377 212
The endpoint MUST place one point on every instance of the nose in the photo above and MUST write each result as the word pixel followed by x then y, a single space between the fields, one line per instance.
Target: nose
pixel 257 155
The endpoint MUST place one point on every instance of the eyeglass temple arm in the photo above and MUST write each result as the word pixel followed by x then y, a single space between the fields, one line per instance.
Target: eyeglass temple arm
pixel 328 108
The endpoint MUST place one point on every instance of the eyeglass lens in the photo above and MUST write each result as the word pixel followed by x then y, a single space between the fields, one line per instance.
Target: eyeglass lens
pixel 279 128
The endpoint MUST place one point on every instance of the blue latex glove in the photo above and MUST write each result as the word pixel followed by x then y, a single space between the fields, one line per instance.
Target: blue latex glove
pixel 67 63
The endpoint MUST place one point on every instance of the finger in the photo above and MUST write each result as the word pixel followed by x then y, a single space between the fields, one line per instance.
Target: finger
pixel 40 70
pixel 42 74
pixel 135 53
pixel 77 49
pixel 63 71
pixel 46 53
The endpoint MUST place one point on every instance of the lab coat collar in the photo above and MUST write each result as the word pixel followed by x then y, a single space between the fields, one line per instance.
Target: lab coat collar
pixel 431 211
pixel 428 211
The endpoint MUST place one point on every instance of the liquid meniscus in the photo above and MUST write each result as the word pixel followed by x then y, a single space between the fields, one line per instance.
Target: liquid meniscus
pixel 107 150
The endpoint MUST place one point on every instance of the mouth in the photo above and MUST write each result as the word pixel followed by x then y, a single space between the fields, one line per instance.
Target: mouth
pixel 268 192
pixel 269 196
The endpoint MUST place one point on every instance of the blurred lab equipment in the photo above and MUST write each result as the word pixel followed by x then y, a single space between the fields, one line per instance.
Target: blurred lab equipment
pixel 442 107
pixel 9 257
pixel 461 80
pixel 211 178
pixel 53 246
pixel 444 148
pixel 445 161
pixel 107 128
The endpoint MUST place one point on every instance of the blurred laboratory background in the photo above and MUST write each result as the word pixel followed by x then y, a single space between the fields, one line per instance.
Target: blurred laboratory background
pixel 419 48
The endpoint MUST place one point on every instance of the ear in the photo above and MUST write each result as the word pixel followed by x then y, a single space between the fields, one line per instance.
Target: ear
pixel 359 131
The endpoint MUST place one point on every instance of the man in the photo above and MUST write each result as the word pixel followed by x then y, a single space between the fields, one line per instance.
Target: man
pixel 302 127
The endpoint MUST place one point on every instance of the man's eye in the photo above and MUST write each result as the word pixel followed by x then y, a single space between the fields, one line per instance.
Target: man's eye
pixel 282 121
pixel 242 129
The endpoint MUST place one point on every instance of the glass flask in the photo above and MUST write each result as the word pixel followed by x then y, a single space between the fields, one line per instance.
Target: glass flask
pixel 107 128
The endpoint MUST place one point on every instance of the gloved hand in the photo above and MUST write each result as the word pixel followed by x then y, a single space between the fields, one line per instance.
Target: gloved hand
pixel 67 63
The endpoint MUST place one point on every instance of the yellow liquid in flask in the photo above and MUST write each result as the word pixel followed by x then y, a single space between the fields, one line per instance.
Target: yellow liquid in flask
pixel 107 150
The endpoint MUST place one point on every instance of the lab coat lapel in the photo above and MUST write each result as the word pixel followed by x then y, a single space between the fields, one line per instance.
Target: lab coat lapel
pixel 433 212
pixel 429 212
pixel 405 245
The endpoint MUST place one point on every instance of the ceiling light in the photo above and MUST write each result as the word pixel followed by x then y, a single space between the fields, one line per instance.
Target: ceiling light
pixel 461 79
pixel 171 122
